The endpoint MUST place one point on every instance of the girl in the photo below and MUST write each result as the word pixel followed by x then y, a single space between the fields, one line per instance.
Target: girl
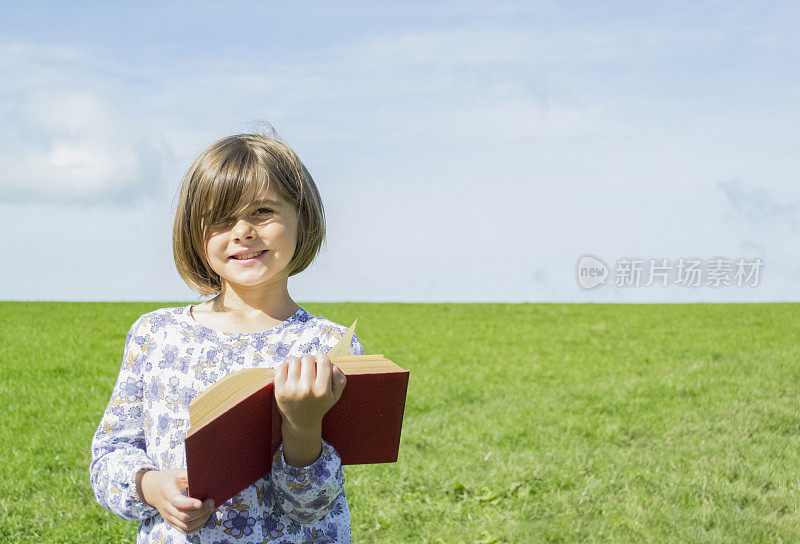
pixel 249 216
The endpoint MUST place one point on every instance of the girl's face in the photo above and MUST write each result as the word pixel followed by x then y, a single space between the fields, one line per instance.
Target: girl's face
pixel 269 227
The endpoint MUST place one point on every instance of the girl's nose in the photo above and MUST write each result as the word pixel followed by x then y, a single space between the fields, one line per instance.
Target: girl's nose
pixel 242 229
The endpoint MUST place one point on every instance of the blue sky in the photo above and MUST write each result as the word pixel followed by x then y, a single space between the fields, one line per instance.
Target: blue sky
pixel 463 152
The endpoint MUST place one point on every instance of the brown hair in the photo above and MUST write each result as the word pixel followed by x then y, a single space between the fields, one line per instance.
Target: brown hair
pixel 222 182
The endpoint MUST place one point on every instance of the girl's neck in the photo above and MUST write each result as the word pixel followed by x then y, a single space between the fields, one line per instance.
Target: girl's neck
pixel 251 304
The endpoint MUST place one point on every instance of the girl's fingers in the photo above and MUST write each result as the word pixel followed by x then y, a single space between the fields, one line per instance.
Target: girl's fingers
pixel 186 503
pixel 338 376
pixel 322 357
pixel 174 518
pixel 308 372
pixel 181 507
pixel 293 374
pixel 338 381
pixel 322 384
pixel 175 512
pixel 204 512
pixel 191 522
pixel 281 373
pixel 182 520
pixel 201 519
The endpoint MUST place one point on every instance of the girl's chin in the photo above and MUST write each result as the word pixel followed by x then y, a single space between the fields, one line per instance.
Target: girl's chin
pixel 254 280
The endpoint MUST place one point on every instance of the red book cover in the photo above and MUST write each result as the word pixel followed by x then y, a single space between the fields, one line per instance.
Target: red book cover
pixel 235 449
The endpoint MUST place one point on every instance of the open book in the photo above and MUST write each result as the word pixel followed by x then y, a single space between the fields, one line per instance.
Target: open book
pixel 235 425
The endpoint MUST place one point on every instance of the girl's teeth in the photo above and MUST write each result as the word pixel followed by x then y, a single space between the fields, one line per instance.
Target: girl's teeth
pixel 249 256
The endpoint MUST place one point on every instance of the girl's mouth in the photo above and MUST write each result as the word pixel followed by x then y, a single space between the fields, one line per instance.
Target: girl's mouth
pixel 250 260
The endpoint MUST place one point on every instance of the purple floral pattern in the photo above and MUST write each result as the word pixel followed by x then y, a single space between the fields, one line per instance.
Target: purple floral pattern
pixel 239 523
pixel 169 359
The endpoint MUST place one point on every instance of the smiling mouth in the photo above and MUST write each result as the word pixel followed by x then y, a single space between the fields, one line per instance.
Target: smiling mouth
pixel 249 256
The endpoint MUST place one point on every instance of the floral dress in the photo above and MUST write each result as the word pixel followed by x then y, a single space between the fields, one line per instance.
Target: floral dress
pixel 169 358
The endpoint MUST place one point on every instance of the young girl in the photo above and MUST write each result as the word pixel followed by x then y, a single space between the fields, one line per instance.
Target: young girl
pixel 249 217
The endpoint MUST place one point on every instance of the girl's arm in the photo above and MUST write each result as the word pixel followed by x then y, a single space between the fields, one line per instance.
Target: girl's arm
pixel 306 471
pixel 118 446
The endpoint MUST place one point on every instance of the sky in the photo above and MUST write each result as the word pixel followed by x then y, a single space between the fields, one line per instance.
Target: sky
pixel 511 152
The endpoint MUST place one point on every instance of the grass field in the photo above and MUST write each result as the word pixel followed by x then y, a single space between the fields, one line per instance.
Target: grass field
pixel 524 423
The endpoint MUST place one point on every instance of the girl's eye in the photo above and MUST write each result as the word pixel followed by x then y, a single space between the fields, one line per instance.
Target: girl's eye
pixel 222 223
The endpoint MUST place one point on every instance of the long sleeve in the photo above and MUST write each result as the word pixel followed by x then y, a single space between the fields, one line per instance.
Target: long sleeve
pixel 307 494
pixel 118 446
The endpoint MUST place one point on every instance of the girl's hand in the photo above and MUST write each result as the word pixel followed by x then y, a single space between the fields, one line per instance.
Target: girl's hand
pixel 305 389
pixel 162 489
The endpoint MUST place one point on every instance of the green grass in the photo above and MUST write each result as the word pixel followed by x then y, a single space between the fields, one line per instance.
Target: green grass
pixel 524 423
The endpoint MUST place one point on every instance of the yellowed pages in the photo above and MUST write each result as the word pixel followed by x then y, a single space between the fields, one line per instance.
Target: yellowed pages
pixel 238 385
pixel 342 347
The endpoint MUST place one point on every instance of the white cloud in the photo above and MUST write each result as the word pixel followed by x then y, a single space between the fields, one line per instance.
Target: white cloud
pixel 755 205
pixel 64 138
pixel 764 220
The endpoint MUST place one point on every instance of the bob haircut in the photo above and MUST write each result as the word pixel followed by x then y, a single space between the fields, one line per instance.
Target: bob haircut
pixel 222 182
